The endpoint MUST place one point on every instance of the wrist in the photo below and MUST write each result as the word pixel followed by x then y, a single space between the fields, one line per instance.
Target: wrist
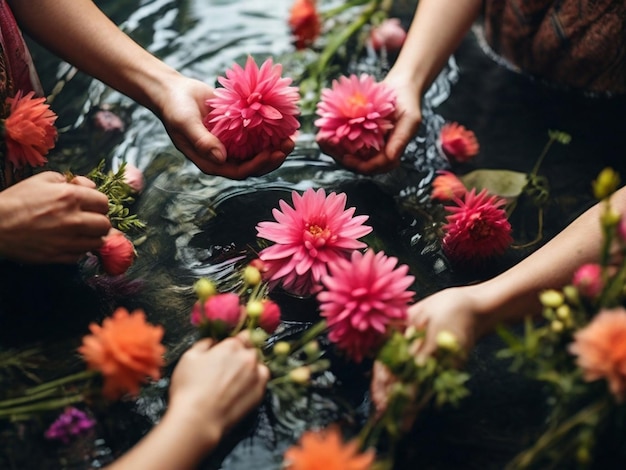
pixel 197 432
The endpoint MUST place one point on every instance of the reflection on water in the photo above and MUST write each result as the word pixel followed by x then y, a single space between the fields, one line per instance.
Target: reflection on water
pixel 200 225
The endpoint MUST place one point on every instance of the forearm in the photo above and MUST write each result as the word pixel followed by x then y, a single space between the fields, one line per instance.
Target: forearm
pixel 435 32
pixel 513 295
pixel 80 33
pixel 176 442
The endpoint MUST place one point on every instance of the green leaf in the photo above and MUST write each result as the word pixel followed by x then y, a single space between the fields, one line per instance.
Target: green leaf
pixel 503 183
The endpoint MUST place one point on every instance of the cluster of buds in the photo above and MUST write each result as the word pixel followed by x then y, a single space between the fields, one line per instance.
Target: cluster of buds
pixel 222 314
pixel 293 364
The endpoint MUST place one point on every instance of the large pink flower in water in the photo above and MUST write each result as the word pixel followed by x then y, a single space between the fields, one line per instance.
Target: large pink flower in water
pixel 315 231
pixel 355 115
pixel 477 228
pixel 363 298
pixel 254 111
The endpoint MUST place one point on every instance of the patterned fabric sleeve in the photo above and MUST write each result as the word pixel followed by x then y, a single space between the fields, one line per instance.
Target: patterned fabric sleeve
pixel 574 43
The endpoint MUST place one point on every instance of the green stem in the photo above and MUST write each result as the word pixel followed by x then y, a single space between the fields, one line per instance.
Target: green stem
pixel 82 375
pixel 41 406
pixel 542 156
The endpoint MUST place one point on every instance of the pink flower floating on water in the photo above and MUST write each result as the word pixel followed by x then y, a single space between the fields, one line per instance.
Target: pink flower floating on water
pixel 315 231
pixel 355 115
pixel 254 111
pixel 363 298
pixel 458 143
pixel 477 228
pixel 70 424
pixel 447 186
pixel 601 350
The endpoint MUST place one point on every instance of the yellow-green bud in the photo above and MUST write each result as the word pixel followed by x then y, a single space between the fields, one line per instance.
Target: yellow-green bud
pixel 610 218
pixel 251 276
pixel 606 183
pixel 258 337
pixel 447 341
pixel 583 456
pixel 282 348
pixel 551 298
pixel 571 294
pixel 300 375
pixel 563 312
pixel 557 326
pixel 311 348
pixel 204 288
pixel 254 308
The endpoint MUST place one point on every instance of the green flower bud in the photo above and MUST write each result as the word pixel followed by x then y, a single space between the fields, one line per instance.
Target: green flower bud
pixel 447 341
pixel 557 326
pixel 254 308
pixel 204 289
pixel 300 375
pixel 610 218
pixel 606 183
pixel 312 348
pixel 251 276
pixel 571 295
pixel 282 348
pixel 563 312
pixel 258 336
pixel 551 298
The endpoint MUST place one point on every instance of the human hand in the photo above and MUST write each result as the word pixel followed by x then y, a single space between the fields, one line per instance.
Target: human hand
pixel 182 109
pixel 407 117
pixel 46 219
pixel 214 386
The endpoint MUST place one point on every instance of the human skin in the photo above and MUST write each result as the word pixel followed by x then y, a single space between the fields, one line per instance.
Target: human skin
pixel 436 31
pixel 80 33
pixel 46 219
pixel 213 387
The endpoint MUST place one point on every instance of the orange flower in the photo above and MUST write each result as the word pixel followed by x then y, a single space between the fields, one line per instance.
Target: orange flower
pixel 447 186
pixel 29 130
pixel 458 143
pixel 117 254
pixel 601 350
pixel 326 450
pixel 304 22
pixel 126 350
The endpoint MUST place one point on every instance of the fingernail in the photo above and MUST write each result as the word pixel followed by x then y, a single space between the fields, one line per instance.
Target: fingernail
pixel 218 154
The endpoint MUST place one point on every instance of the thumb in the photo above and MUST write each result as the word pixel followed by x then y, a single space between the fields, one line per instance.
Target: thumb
pixel 206 144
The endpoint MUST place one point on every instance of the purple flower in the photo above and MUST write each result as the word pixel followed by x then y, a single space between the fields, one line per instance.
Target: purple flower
pixel 71 423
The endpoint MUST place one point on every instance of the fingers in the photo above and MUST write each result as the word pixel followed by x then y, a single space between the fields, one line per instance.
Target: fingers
pixel 92 200
pixel 83 181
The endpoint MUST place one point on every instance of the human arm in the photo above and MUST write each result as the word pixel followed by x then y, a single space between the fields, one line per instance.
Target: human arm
pixel 475 310
pixel 80 33
pixel 212 388
pixel 437 29
pixel 46 219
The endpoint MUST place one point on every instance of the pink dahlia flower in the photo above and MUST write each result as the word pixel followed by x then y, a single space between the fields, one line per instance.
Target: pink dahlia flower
pixel 255 110
pixel 447 186
pixel 477 227
pixel 588 280
pixel 601 350
pixel 315 231
pixel 363 298
pixel 355 115
pixel 458 143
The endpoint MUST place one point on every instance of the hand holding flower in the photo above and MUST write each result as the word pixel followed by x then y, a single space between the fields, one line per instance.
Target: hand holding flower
pixel 45 219
pixel 182 109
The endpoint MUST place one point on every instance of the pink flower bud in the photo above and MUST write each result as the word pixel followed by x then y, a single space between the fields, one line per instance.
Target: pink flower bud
pixel 389 34
pixel 133 177
pixel 447 186
pixel 588 280
pixel 117 254
pixel 219 308
pixel 270 318
pixel 458 143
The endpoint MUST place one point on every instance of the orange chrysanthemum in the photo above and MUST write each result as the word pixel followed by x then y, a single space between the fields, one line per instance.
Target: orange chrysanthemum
pixel 126 350
pixel 447 186
pixel 458 143
pixel 601 350
pixel 326 450
pixel 29 130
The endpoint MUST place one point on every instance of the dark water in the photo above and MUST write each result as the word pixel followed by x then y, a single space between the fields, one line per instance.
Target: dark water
pixel 200 225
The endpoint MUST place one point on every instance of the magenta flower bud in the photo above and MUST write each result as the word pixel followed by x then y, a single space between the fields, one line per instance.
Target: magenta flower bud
pixel 220 313
pixel 270 318
pixel 71 423
pixel 588 280
pixel 389 34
